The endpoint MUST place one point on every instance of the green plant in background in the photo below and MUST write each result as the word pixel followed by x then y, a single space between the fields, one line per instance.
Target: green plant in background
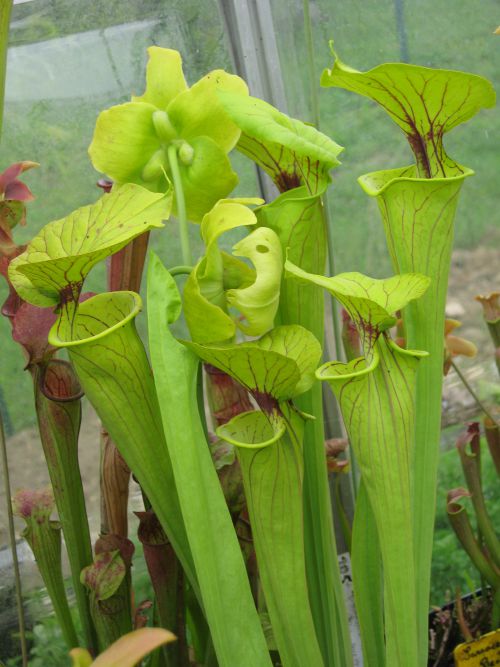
pixel 484 548
pixel 44 538
pixel 417 206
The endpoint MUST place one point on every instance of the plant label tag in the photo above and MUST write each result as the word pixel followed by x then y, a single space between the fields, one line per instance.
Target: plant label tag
pixel 352 618
pixel 482 652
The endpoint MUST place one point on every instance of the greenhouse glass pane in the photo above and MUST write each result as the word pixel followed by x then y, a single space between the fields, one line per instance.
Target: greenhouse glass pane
pixel 64 66
pixel 67 61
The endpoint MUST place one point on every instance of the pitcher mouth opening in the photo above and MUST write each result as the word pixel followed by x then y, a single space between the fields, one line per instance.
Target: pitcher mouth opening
pixel 96 317
pixel 376 182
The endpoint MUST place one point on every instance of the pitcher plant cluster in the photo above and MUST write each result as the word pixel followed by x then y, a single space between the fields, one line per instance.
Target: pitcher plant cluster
pixel 224 430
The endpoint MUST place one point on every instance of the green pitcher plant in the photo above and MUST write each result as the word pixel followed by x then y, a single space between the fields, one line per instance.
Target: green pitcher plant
pixel 268 441
pixel 417 205
pixel 244 565
pixel 298 159
pixel 114 371
pixel 376 394
pixel 44 538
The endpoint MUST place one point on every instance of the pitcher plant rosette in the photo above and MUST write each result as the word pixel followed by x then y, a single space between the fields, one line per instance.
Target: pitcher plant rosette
pixel 224 432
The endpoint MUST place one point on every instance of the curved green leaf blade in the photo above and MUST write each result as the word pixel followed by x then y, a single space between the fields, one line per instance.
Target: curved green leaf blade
pixel 291 152
pixel 56 262
pixel 425 103
pixel 208 523
pixel 279 365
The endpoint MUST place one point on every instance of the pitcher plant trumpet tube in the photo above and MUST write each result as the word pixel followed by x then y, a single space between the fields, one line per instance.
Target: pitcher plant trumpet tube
pixel 417 205
pixel 298 158
pixel 376 394
pixel 268 442
pixel 219 565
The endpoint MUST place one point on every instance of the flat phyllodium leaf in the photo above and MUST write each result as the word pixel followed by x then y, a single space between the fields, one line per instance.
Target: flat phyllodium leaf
pixel 291 152
pixel 281 364
pixel 371 303
pixel 56 262
pixel 425 103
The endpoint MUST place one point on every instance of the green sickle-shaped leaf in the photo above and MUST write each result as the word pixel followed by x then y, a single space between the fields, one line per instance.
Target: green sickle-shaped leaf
pixel 114 371
pixel 274 369
pixel 220 281
pixel 425 103
pixel 52 269
pixel 224 586
pixel 291 152
pixel 376 394
pixel 131 141
pixel 418 205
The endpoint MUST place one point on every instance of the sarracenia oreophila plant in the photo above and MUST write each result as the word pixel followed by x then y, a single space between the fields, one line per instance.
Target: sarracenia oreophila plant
pixel 237 524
